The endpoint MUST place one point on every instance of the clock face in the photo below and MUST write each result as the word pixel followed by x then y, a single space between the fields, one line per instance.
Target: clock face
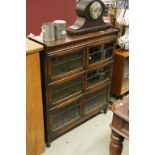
pixel 95 10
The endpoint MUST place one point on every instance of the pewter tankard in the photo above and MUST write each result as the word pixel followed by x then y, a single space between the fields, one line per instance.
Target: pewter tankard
pixel 48 32
pixel 60 29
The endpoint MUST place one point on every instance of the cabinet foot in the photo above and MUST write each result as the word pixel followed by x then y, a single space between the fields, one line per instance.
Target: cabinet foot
pixel 105 110
pixel 48 144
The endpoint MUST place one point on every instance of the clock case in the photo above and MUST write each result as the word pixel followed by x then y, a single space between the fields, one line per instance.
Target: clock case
pixel 84 22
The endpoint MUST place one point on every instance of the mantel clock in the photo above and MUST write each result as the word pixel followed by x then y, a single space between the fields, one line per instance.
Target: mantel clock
pixel 89 17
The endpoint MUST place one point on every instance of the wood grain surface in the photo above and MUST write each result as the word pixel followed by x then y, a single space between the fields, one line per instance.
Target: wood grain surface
pixel 120 85
pixel 34 111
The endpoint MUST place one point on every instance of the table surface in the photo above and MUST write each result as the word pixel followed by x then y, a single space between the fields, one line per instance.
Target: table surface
pixel 74 38
pixel 32 47
pixel 121 108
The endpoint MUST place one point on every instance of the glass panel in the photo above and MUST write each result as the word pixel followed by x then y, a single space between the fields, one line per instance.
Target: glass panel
pixel 66 114
pixel 96 76
pixel 101 52
pixel 96 99
pixel 66 89
pixel 66 63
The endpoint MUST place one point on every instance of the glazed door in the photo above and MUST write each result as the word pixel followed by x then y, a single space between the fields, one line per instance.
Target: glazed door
pixel 96 98
pixel 64 63
pixel 100 53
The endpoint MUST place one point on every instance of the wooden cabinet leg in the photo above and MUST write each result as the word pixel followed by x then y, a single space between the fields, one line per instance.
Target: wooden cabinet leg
pixel 48 144
pixel 105 111
pixel 116 145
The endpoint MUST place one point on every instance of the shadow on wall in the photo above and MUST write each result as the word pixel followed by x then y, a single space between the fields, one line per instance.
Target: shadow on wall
pixel 40 11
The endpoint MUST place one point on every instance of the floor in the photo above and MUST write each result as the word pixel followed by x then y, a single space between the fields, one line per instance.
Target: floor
pixel 90 138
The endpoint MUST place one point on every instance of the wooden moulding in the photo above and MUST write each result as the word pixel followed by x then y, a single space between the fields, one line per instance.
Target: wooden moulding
pixel 77 41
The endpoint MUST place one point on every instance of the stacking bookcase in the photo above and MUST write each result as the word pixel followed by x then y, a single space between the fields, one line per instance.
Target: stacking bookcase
pixel 76 79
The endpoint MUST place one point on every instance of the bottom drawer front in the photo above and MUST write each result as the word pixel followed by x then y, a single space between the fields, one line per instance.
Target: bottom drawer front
pixel 96 99
pixel 65 115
